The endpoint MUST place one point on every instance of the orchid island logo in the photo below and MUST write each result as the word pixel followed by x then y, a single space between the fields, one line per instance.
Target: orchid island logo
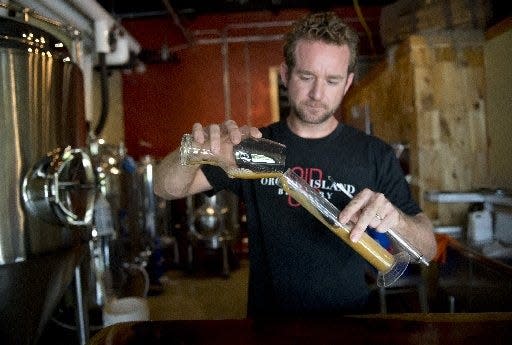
pixel 316 178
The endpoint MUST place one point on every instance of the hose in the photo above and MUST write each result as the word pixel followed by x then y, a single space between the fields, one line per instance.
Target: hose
pixel 104 94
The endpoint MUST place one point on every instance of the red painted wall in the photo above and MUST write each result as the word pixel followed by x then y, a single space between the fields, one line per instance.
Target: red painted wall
pixel 165 100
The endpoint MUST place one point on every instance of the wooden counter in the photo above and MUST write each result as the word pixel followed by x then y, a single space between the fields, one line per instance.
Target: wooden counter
pixel 476 255
pixel 472 282
pixel 395 329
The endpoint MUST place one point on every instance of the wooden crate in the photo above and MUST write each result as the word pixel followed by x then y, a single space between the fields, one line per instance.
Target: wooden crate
pixel 406 17
pixel 429 94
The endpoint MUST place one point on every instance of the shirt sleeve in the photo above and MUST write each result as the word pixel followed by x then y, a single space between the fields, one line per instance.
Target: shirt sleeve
pixel 220 180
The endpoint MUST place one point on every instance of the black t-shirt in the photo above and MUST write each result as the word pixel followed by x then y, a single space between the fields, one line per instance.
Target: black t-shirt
pixel 297 265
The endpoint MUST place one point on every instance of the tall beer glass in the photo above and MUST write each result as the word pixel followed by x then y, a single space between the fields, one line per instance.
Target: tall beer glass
pixel 389 266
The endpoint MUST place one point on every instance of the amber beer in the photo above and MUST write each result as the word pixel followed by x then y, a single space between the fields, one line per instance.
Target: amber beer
pixel 327 213
pixel 251 175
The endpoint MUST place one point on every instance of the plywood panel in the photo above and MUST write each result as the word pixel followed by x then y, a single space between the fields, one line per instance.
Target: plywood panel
pixel 498 74
pixel 429 95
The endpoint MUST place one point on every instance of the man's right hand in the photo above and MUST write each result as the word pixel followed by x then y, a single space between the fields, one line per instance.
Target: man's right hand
pixel 227 132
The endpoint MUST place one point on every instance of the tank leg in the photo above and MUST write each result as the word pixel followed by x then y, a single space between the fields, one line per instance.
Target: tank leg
pixel 82 317
pixel 225 260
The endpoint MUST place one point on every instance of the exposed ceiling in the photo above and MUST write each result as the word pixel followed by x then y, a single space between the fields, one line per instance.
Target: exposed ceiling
pixel 147 8
pixel 189 8
pixel 183 10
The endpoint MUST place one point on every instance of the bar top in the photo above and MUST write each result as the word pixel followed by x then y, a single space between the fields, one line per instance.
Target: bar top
pixel 434 328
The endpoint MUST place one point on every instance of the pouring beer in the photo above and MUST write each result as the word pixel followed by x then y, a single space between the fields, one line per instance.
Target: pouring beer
pixel 255 158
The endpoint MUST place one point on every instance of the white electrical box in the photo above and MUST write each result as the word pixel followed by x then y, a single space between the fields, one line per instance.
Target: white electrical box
pixel 480 227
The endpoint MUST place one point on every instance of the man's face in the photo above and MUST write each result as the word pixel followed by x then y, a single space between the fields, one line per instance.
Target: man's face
pixel 319 80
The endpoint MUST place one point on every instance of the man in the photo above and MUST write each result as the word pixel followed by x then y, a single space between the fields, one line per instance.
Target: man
pixel 297 266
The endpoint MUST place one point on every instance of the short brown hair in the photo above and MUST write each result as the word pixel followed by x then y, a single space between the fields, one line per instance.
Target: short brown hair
pixel 323 26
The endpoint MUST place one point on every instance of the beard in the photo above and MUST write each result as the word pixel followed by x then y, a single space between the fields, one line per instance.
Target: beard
pixel 319 115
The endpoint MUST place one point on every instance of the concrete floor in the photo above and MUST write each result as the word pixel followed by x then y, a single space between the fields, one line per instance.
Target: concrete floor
pixel 190 296
pixel 185 296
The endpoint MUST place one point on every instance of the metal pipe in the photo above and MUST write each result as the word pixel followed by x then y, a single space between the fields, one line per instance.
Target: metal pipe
pixel 97 13
pixel 260 25
pixel 177 21
pixel 81 14
pixel 64 14
pixel 225 40
pixel 240 39
pixel 81 315
pixel 225 79
pixel 248 88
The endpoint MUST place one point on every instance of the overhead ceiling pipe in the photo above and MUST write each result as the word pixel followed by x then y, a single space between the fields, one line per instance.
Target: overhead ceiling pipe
pixel 87 16
pixel 95 25
pixel 63 14
pixel 98 14
pixel 188 36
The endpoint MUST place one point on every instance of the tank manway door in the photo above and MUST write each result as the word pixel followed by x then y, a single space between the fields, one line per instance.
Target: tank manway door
pixel 60 188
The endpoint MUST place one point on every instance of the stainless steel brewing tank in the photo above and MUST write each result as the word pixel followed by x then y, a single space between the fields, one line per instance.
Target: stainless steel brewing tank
pixel 213 219
pixel 41 109
pixel 154 211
